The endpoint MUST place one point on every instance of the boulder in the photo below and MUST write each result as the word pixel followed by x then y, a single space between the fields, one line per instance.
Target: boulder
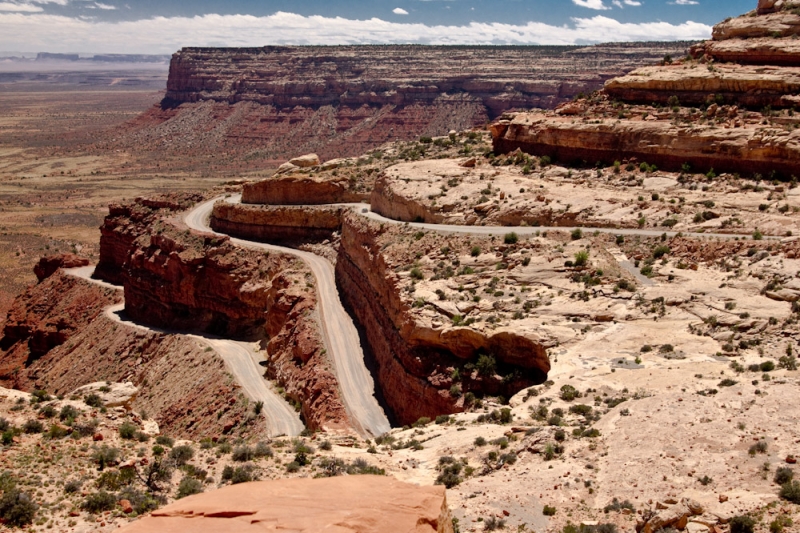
pixel 767 6
pixel 48 265
pixel 111 394
pixel 354 503
pixel 305 161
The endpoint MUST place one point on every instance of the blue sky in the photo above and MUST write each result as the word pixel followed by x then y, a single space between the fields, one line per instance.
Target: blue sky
pixel 162 26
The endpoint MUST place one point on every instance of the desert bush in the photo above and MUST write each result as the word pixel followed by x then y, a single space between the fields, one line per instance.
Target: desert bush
pixel 141 501
pixel 164 440
pixel 568 393
pixel 742 524
pixel 581 258
pixel 263 450
pixel 17 508
pixel 510 238
pixel 783 475
pixel 99 501
pixel 127 430
pixel 480 441
pixel 181 454
pixel 790 491
pixel 576 234
pixel 93 400
pixel 188 486
pixel 486 365
pixel 617 505
pixel 72 486
pixel 548 510
pixel 105 456
pixel 759 447
pixel 68 413
pixel 33 426
pixel 243 453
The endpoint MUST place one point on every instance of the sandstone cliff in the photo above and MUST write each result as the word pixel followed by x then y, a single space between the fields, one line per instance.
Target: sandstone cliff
pixel 59 343
pixel 180 280
pixel 747 149
pixel 276 224
pixel 248 109
pixel 416 360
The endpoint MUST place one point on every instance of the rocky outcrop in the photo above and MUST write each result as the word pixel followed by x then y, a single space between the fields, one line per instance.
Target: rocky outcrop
pixel 46 316
pixel 126 222
pixel 742 85
pixel 62 343
pixel 363 504
pixel 745 150
pixel 47 266
pixel 302 189
pixel 415 362
pixel 276 224
pixel 177 279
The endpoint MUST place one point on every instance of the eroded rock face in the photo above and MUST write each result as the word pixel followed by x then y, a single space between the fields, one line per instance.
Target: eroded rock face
pixel 415 360
pixel 301 189
pixel 659 142
pixel 363 504
pixel 184 281
pixel 276 224
pixel 48 265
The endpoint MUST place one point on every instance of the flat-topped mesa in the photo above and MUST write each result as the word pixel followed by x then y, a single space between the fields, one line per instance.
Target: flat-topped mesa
pixel 498 78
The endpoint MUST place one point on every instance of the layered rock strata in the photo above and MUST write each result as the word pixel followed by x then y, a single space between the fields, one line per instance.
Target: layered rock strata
pixel 416 361
pixel 181 280
pixel 364 504
pixel 302 189
pixel 497 77
pixel 61 343
pixel 276 224
pixel 247 109
pixel 670 146
pixel 750 62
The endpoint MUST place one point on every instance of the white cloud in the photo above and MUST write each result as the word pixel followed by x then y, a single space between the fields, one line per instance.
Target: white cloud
pixel 399 11
pixel 100 5
pixel 685 2
pixel 632 3
pixel 591 4
pixel 165 35
pixel 11 6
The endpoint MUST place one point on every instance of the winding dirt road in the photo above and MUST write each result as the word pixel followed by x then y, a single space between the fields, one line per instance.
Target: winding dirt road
pixel 242 359
pixel 341 337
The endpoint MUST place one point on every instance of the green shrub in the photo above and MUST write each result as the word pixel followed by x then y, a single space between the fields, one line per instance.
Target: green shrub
pixel 98 502
pixel 742 524
pixel 141 502
pixel 105 456
pixel 17 509
pixel 790 491
pixel 486 365
pixel 243 453
pixel 33 426
pixel 475 251
pixel 784 475
pixel 581 258
pixel 181 454
pixel 188 486
pixel 127 430
pixel 576 234
pixel 510 238
pixel 480 441
pixel 549 511
pixel 660 251
pixel 93 400
pixel 568 393
pixel 72 486
pixel 165 441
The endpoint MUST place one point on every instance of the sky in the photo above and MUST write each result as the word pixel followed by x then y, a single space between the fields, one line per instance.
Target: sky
pixel 164 26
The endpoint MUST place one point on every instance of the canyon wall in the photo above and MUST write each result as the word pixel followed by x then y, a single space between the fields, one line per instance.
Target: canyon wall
pixel 253 108
pixel 276 224
pixel 178 279
pixel 415 362
pixel 59 343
